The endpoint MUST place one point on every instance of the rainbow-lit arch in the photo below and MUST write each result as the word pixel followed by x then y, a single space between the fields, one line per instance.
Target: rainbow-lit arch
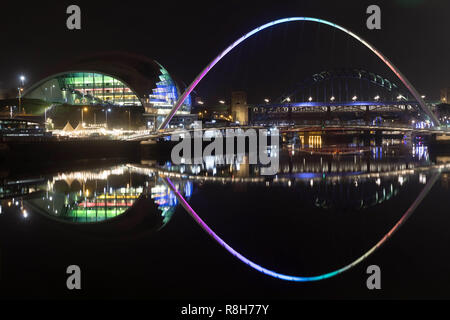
pixel 323 276
pixel 397 72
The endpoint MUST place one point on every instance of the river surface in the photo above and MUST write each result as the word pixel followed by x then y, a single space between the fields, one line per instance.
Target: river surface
pixel 125 228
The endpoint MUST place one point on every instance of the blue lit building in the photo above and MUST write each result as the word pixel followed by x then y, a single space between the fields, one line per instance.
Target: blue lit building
pixel 162 99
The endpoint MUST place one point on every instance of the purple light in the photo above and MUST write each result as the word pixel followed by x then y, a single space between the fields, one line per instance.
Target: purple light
pixel 397 72
pixel 281 276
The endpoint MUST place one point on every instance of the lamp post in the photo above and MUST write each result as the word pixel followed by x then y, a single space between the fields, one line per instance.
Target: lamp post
pixel 20 96
pixel 83 109
pixel 22 82
pixel 51 93
pixel 106 114
pixel 129 119
pixel 45 117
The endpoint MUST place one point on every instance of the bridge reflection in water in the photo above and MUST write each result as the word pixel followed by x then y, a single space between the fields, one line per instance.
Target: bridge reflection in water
pixel 348 181
pixel 124 198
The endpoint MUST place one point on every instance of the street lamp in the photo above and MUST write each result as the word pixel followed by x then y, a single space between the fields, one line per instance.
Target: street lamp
pixel 310 99
pixel 106 113
pixel 82 121
pixel 45 115
pixel 51 92
pixel 129 119
pixel 355 98
pixel 332 98
pixel 221 102
pixel 22 82
pixel 20 99
pixel 266 100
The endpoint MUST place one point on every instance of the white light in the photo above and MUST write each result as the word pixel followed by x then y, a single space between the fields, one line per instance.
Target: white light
pixel 221 102
pixel 332 98
pixel 267 100
pixel 310 99
pixel 423 97
pixel 22 78
pixel 200 102
pixel 24 213
pixel 354 98
pixel 288 99
pixel 377 98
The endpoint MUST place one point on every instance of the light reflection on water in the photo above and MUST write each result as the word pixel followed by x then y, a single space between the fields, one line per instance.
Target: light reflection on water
pixel 315 203
pixel 353 181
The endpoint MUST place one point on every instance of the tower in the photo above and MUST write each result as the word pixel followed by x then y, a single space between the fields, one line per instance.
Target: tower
pixel 239 108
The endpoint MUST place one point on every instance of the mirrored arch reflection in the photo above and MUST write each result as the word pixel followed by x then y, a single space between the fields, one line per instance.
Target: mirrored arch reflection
pixel 128 201
pixel 95 196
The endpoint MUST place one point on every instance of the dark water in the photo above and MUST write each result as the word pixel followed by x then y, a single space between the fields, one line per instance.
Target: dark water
pixel 131 238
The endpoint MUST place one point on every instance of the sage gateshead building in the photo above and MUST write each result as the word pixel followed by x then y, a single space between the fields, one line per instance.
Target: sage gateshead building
pixel 115 80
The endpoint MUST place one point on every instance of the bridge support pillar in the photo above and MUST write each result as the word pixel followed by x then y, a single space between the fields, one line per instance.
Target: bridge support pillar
pixel 367 116
pixel 366 138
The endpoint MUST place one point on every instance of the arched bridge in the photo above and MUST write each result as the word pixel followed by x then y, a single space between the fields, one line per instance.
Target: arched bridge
pixel 378 53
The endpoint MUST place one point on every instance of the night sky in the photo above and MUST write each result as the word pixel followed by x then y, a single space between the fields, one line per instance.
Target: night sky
pixel 185 36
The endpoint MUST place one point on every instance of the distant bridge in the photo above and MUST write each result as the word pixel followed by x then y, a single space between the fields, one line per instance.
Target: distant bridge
pixel 299 128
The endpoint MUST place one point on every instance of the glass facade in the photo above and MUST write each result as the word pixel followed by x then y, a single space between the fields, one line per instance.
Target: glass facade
pixel 166 93
pixel 81 88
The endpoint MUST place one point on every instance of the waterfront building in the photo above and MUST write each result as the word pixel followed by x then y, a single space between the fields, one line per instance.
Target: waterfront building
pixel 123 81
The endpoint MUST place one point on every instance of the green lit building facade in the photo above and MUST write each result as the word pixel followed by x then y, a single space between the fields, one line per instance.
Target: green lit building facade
pixel 116 80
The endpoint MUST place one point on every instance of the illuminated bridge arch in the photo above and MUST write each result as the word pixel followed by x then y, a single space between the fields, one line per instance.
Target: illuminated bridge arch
pixel 343 84
pixel 394 69
pixel 360 74
pixel 353 74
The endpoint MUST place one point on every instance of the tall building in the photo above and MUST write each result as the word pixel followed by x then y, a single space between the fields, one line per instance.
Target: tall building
pixel 239 108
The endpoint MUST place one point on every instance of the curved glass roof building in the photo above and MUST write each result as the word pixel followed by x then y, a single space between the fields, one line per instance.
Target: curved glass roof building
pixel 113 79
pixel 82 88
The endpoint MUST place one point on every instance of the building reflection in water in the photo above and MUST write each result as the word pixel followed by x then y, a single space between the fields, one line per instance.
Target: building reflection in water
pixel 91 196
